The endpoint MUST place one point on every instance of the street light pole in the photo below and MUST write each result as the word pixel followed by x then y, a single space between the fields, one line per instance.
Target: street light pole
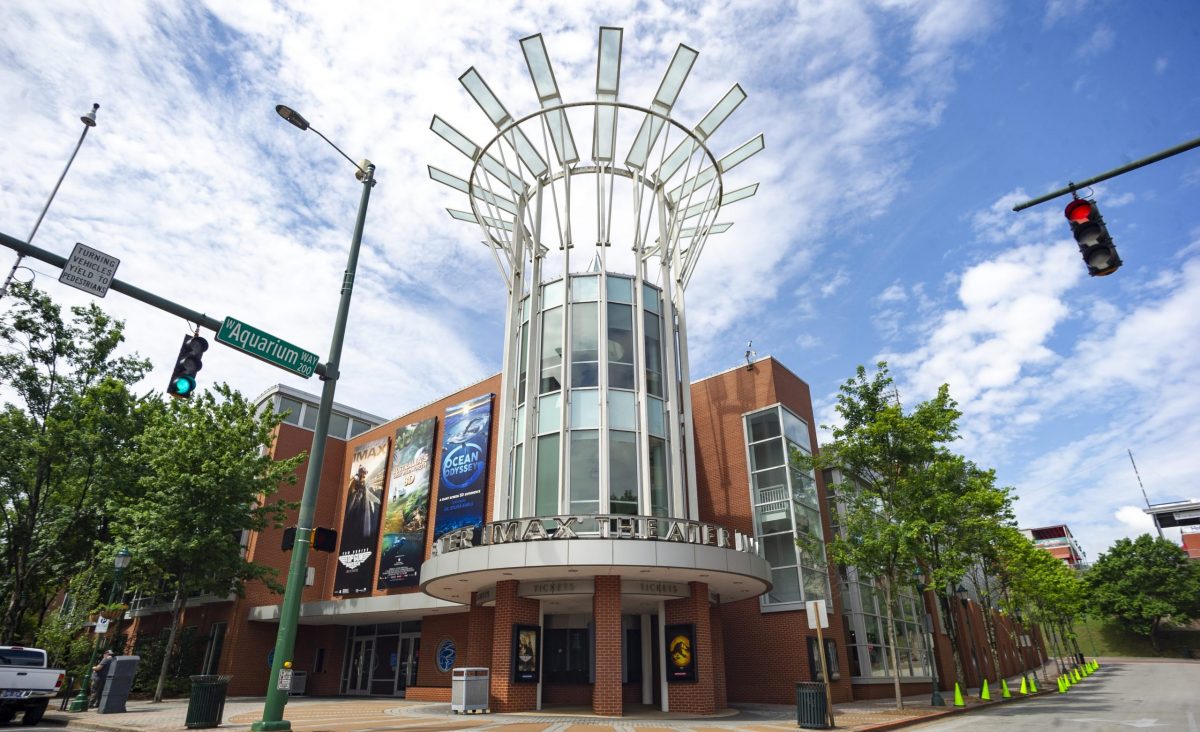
pixel 80 702
pixel 89 121
pixel 289 613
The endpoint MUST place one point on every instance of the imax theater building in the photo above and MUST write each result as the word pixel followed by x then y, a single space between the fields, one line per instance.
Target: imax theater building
pixel 590 524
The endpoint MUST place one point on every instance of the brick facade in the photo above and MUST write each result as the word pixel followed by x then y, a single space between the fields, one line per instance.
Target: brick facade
pixel 606 612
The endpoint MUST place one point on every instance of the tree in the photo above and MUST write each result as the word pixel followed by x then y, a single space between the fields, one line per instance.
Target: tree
pixel 207 479
pixel 1143 582
pixel 887 457
pixel 62 448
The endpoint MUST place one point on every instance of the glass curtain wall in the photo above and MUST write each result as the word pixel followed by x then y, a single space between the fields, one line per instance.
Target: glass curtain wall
pixel 787 515
pixel 865 618
pixel 599 443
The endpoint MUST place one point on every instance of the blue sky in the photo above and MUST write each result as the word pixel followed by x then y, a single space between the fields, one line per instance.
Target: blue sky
pixel 898 136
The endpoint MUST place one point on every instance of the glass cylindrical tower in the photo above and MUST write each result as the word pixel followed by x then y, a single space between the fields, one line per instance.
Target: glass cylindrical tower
pixel 596 251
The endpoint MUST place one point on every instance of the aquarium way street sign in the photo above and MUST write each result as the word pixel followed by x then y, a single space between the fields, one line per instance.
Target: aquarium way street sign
pixel 266 347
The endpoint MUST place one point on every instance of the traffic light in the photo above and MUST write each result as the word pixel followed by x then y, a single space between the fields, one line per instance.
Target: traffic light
pixel 187 365
pixel 323 540
pixel 1096 246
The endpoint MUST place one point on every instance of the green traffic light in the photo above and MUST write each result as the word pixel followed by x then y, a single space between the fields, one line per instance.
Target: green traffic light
pixel 184 385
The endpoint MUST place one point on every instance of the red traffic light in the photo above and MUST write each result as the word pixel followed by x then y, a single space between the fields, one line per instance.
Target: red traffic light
pixel 1078 211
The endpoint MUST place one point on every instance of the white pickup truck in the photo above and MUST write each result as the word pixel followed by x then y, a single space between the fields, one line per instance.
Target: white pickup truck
pixel 26 685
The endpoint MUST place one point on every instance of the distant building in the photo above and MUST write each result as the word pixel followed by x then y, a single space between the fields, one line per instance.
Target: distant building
pixel 1184 515
pixel 1058 541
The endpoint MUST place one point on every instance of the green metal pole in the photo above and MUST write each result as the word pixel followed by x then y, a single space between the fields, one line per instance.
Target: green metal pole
pixel 80 702
pixel 289 613
pixel 1110 174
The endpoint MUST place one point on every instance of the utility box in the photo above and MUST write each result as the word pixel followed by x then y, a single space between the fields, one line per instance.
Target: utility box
pixel 469 690
pixel 119 681
pixel 299 683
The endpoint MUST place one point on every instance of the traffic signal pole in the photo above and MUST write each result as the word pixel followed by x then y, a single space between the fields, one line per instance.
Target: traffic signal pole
pixel 25 249
pixel 289 610
pixel 1110 174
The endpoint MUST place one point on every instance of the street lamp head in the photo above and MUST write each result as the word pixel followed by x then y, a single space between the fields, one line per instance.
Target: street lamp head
pixel 89 119
pixel 121 561
pixel 361 173
pixel 292 116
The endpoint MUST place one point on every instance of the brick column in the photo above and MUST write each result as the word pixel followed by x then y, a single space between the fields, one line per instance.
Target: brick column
pixel 699 697
pixel 480 622
pixel 510 610
pixel 606 609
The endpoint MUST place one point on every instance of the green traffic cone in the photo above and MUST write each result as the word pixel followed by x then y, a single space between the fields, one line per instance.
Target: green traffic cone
pixel 958 700
pixel 1075 673
pixel 1024 686
pixel 1033 684
pixel 983 693
pixel 1004 692
pixel 1062 687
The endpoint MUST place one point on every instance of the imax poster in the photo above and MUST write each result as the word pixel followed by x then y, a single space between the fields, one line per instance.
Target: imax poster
pixel 360 524
pixel 406 512
pixel 464 470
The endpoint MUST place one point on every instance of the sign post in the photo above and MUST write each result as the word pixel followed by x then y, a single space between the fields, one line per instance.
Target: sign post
pixel 818 618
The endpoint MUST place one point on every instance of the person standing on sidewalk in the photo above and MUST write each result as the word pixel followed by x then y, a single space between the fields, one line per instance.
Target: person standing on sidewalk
pixel 99 676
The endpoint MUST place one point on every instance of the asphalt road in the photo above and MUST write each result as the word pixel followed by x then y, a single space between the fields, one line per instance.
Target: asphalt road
pixel 1117 698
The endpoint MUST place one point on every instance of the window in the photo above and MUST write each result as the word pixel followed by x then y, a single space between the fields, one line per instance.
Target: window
pixel 567 655
pixel 338 425
pixel 212 654
pixel 787 516
pixel 292 407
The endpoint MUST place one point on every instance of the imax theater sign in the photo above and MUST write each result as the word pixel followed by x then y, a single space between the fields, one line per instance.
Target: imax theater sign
pixel 591 526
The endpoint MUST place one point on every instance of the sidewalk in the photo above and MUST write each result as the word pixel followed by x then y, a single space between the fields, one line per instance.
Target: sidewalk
pixel 348 714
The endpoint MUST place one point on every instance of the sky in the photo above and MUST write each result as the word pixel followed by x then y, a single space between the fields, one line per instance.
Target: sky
pixel 899 134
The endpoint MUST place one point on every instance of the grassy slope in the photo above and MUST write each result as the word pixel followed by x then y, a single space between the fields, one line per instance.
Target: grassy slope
pixel 1105 638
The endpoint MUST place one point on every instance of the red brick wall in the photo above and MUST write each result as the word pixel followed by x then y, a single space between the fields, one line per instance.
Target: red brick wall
pixel 507 696
pixel 434 629
pixel 480 623
pixel 766 652
pixel 606 611
pixel 700 696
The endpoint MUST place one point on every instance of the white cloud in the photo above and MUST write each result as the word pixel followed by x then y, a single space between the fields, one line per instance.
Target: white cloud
pixel 1135 518
pixel 894 293
pixel 1098 42
pixel 1030 345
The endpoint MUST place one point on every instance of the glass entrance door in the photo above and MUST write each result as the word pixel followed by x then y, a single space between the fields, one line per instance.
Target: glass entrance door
pixel 361 660
pixel 406 674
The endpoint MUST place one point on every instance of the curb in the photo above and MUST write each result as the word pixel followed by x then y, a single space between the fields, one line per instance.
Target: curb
pixel 900 723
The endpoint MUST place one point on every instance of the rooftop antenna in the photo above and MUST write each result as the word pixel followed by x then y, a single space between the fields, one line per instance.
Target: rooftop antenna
pixel 1144 496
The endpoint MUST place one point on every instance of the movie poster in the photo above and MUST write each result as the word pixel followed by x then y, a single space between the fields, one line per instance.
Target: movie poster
pixel 526 642
pixel 681 652
pixel 464 469
pixel 360 525
pixel 406 513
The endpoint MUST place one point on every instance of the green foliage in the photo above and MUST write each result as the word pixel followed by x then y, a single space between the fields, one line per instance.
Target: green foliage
pixel 60 635
pixel 62 448
pixel 206 478
pixel 1141 583
pixel 1103 637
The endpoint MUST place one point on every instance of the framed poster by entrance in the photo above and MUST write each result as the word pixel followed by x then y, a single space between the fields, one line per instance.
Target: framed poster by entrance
pixel 526 653
pixel 681 652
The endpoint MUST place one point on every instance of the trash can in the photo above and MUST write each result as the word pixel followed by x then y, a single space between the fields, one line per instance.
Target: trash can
pixel 811 711
pixel 207 702
pixel 469 690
